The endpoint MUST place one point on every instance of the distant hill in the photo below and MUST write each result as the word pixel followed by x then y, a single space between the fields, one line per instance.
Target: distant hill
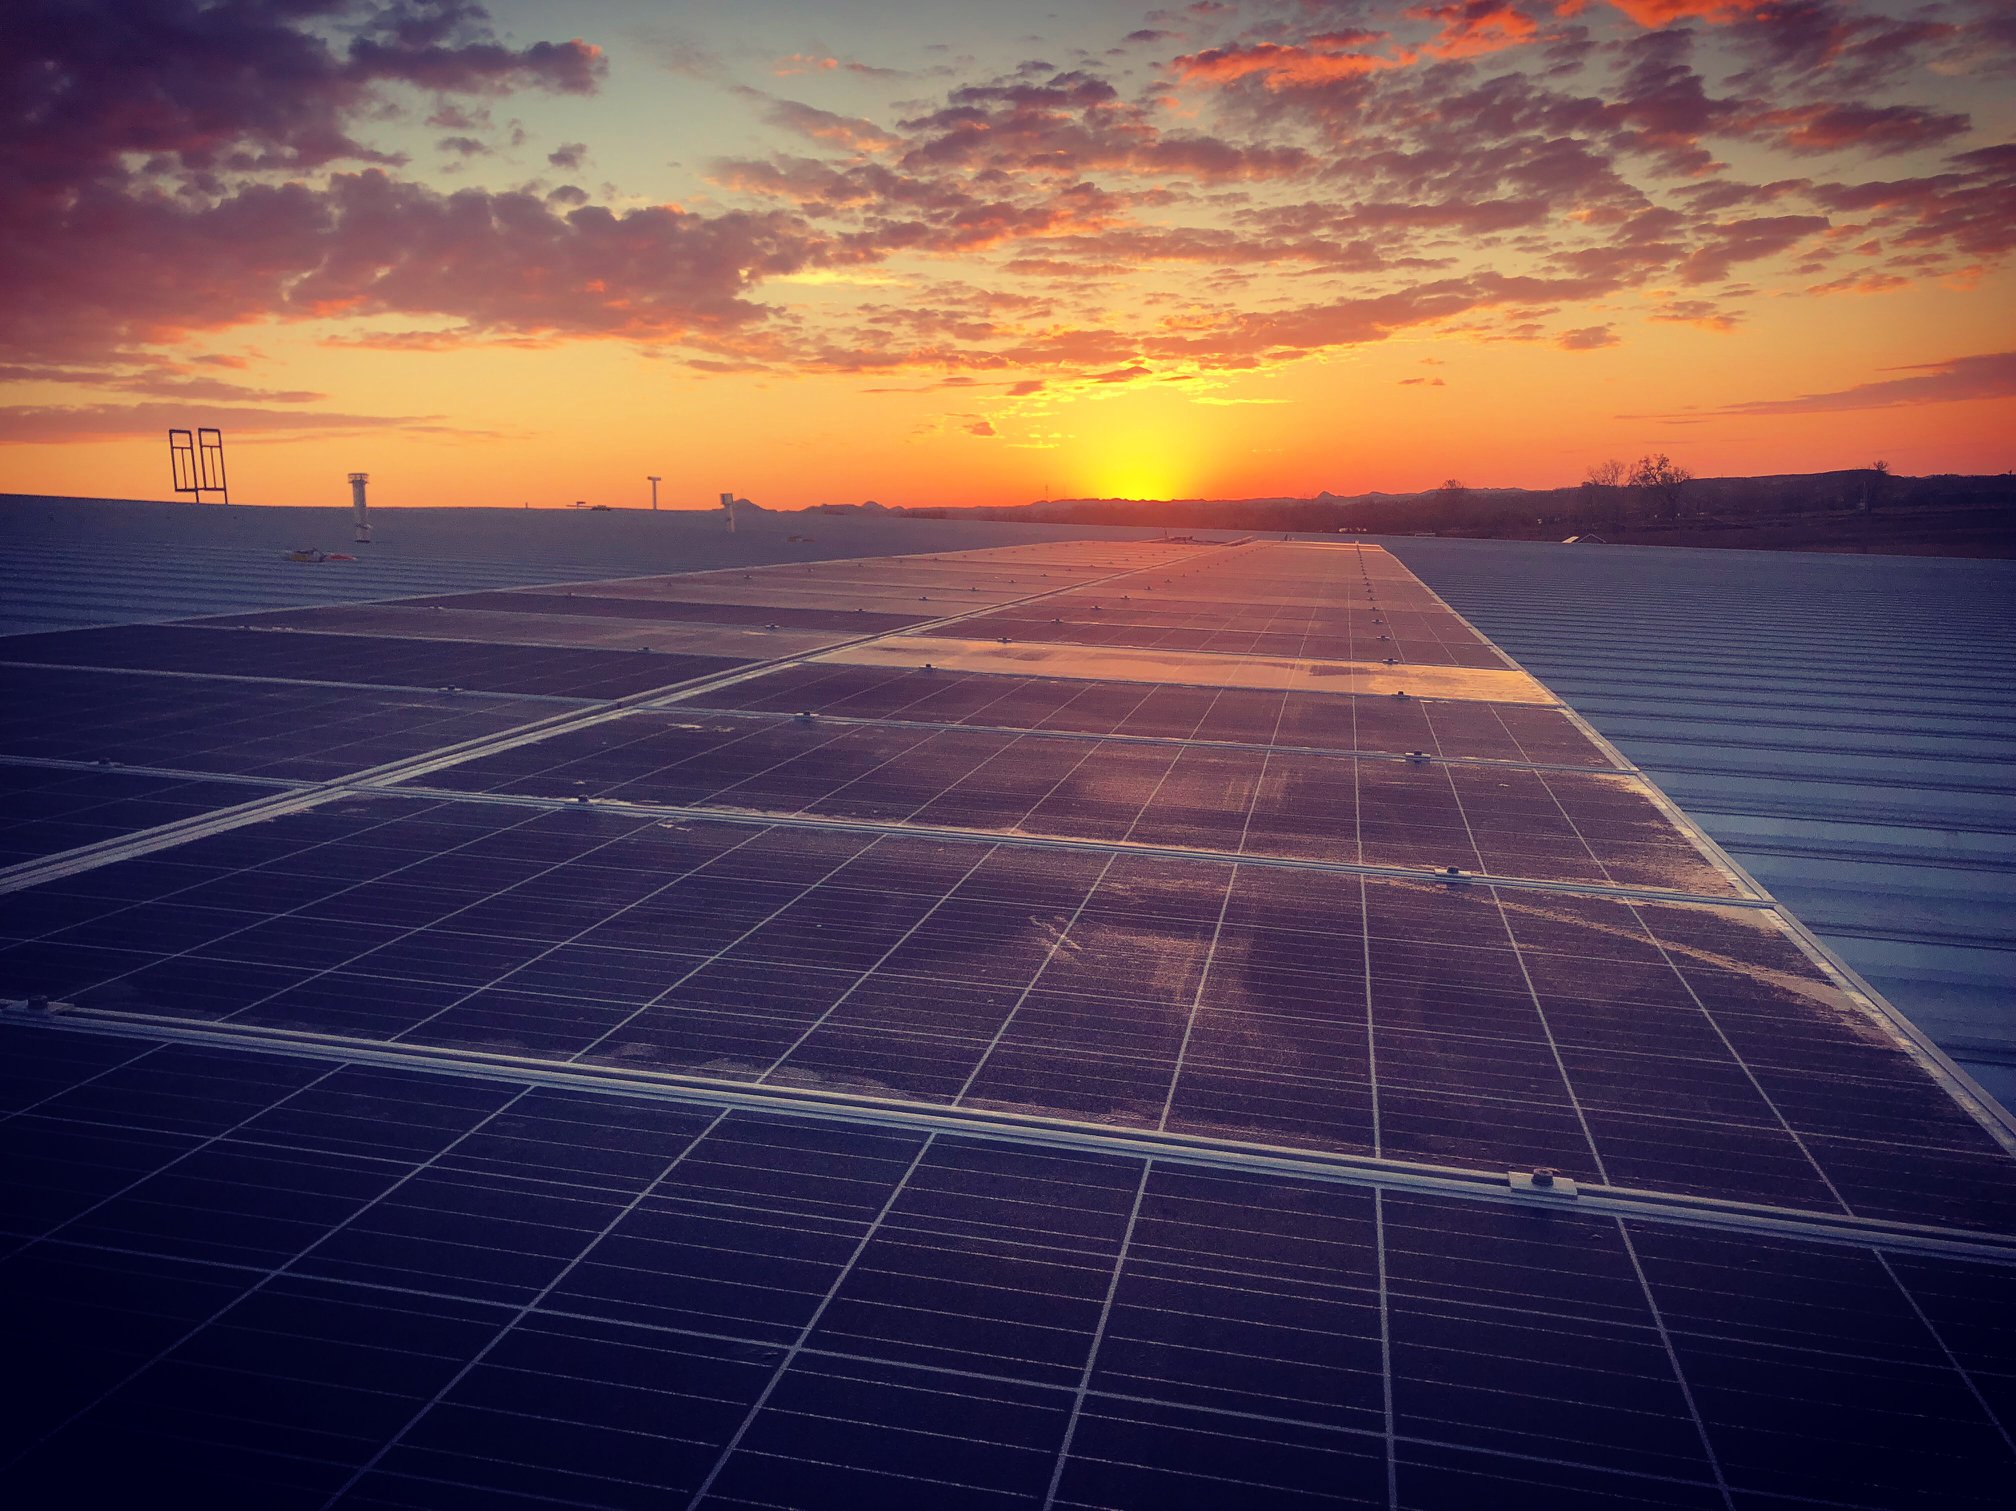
pixel 1852 509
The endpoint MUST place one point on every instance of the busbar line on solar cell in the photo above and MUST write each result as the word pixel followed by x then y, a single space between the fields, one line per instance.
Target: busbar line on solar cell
pixel 1187 1151
pixel 30 873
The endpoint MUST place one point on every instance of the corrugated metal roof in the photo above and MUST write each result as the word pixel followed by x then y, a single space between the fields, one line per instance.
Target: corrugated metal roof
pixel 72 562
pixel 1843 725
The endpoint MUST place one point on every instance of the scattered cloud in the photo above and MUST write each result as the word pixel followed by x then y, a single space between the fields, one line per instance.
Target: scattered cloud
pixel 1293 180
pixel 1991 376
pixel 60 424
pixel 1702 312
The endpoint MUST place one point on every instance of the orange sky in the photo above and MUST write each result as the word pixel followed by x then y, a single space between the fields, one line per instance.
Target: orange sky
pixel 977 254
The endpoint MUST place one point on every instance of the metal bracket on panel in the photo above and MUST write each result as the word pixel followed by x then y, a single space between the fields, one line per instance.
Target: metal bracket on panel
pixel 1452 873
pixel 1542 1182
pixel 40 1004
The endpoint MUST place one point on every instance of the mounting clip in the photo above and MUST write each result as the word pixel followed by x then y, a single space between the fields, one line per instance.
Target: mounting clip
pixel 1542 1182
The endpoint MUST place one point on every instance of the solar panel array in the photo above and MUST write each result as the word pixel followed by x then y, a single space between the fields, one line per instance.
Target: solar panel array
pixel 1073 1025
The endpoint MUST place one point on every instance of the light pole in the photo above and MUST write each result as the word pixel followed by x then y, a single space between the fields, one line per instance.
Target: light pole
pixel 654 482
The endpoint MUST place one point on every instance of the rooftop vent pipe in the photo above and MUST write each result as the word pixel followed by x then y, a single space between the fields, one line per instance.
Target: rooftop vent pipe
pixel 357 482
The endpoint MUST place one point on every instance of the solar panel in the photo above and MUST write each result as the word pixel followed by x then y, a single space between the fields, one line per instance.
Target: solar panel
pixel 1072 1081
pixel 284 730
pixel 361 659
pixel 46 810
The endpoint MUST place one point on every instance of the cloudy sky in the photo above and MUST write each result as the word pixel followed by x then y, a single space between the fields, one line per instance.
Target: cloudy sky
pixel 957 252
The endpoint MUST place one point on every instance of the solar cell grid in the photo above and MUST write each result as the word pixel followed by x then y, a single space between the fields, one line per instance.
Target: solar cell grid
pixel 1566 826
pixel 758 595
pixel 46 810
pixel 361 659
pixel 1318 721
pixel 760 640
pixel 294 733
pixel 1139 619
pixel 950 651
pixel 588 604
pixel 772 1310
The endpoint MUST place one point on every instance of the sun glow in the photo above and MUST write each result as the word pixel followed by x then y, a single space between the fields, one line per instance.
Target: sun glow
pixel 1148 446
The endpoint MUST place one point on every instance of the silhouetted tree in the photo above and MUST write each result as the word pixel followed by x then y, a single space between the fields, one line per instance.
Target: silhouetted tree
pixel 1658 481
pixel 1606 474
pixel 1872 485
